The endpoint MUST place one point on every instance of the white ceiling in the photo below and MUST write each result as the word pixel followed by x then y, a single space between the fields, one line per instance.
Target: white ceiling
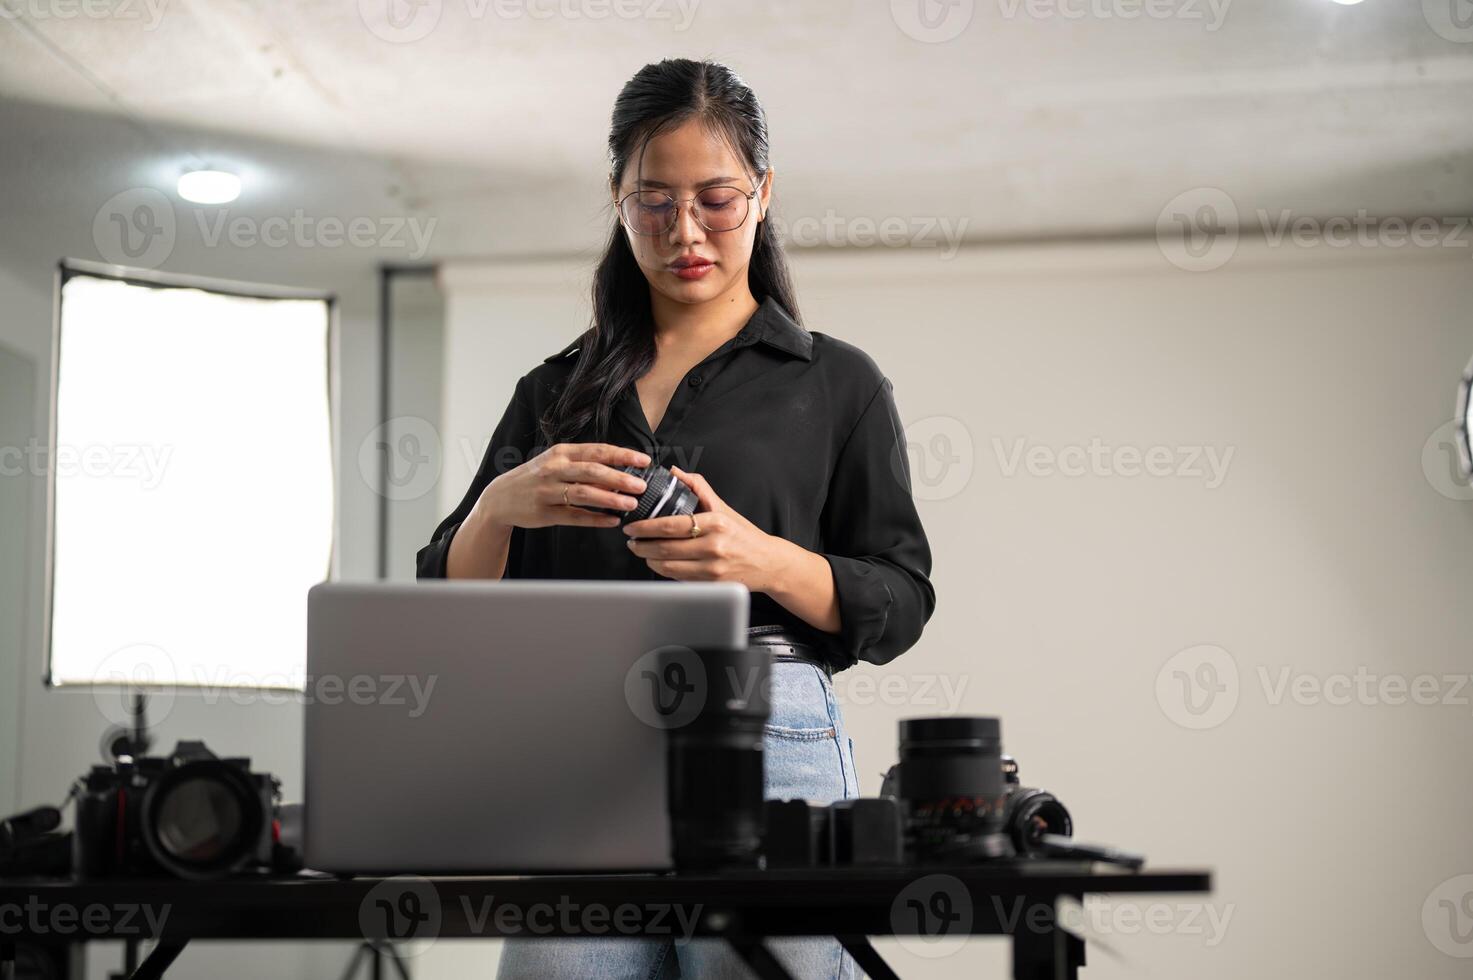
pixel 1021 126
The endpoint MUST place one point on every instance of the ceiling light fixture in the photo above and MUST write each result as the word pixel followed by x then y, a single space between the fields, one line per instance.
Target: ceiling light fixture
pixel 209 187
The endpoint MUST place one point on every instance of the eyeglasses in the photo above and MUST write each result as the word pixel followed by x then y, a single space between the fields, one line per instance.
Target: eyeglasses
pixel 720 208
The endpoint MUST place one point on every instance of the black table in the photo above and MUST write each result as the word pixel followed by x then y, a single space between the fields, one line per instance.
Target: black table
pixel 744 908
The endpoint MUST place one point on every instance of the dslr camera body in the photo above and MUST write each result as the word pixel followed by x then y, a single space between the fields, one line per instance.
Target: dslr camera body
pixel 1010 825
pixel 961 796
pixel 190 815
pixel 954 798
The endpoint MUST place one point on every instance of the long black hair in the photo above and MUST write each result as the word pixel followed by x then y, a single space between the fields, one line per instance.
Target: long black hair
pixel 619 345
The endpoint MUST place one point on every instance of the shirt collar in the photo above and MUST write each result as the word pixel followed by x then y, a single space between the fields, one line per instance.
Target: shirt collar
pixel 566 351
pixel 771 325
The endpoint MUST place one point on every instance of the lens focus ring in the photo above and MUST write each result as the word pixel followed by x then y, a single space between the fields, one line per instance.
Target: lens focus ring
pixel 656 484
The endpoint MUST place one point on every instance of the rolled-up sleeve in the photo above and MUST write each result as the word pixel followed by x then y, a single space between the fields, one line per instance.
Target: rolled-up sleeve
pixel 512 444
pixel 873 539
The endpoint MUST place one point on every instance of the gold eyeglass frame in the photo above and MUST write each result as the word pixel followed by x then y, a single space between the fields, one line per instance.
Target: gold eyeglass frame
pixel 675 211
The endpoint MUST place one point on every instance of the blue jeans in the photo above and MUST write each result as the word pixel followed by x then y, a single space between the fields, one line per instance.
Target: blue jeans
pixel 808 756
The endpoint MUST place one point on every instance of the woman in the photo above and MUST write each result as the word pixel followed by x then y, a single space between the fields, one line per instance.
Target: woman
pixel 790 439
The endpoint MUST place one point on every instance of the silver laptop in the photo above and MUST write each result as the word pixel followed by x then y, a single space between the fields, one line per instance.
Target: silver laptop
pixel 484 726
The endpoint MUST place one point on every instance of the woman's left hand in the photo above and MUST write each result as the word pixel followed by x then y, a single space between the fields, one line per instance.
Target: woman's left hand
pixel 730 548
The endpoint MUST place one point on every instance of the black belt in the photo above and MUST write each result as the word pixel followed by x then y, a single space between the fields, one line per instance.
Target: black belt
pixel 787 645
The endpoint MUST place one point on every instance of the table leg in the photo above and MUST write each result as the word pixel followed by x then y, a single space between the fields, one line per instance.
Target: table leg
pixel 868 958
pixel 159 960
pixel 7 961
pixel 1043 951
pixel 756 955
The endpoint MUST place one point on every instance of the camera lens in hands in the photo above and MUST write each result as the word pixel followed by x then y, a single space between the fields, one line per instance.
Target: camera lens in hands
pixel 664 496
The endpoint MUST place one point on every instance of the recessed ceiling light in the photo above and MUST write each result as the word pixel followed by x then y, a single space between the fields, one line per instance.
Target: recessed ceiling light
pixel 209 187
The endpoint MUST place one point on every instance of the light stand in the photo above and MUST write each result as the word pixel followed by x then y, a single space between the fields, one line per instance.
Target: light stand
pixel 375 956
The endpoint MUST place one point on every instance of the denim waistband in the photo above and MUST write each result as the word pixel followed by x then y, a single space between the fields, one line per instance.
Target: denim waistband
pixel 789 645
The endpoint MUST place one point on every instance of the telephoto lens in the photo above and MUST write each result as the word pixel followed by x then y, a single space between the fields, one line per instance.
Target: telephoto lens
pixel 664 496
pixel 716 756
pixel 950 783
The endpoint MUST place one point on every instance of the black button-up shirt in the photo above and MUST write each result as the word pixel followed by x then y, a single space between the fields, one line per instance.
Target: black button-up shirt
pixel 797 431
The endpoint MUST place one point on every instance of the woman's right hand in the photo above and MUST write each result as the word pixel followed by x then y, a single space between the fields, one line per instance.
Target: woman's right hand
pixel 531 495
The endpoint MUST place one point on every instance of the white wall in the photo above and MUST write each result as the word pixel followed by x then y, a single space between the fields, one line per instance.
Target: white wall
pixel 501 319
pixel 17 400
pixel 416 364
pixel 1324 548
